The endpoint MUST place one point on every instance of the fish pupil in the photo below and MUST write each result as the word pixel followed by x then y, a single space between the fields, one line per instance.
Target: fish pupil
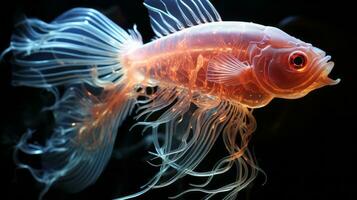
pixel 297 60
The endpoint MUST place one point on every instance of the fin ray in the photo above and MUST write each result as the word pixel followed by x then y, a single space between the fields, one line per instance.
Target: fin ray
pixel 169 16
pixel 226 69
pixel 190 131
pixel 80 46
pixel 80 147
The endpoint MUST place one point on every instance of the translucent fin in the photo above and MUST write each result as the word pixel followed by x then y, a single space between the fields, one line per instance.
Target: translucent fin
pixel 169 16
pixel 236 123
pixel 226 69
pixel 190 131
pixel 80 50
pixel 82 45
pixel 82 141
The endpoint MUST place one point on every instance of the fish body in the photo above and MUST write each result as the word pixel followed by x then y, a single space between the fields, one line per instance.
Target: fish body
pixel 209 75
pixel 182 58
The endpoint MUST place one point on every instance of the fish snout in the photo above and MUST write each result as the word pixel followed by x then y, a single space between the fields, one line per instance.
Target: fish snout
pixel 319 52
pixel 326 67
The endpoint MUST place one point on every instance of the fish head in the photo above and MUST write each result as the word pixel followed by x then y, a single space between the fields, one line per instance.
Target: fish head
pixel 287 67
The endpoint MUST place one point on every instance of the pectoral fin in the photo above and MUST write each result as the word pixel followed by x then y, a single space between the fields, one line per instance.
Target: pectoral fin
pixel 227 69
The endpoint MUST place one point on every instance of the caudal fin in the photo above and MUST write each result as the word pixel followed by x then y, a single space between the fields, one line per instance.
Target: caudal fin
pixel 81 51
pixel 80 46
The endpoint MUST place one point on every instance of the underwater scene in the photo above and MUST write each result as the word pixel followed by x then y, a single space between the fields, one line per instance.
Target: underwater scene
pixel 177 99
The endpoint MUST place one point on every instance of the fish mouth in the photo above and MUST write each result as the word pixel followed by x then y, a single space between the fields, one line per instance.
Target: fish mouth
pixel 326 67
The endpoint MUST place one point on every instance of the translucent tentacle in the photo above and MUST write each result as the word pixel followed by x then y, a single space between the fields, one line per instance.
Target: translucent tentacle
pixel 232 120
pixel 190 131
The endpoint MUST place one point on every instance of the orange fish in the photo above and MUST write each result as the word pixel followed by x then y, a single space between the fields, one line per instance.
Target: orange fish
pixel 201 76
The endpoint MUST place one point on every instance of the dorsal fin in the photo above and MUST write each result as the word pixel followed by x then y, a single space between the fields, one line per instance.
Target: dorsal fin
pixel 169 16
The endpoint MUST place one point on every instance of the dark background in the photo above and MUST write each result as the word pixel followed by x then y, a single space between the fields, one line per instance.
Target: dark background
pixel 305 146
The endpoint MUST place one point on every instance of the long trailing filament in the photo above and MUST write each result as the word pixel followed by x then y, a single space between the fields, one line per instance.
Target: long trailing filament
pixel 190 131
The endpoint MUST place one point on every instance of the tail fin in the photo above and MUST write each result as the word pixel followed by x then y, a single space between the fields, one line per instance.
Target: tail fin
pixel 81 45
pixel 79 50
pixel 75 154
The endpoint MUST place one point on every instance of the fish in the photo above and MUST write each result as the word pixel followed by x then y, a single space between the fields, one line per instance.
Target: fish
pixel 198 79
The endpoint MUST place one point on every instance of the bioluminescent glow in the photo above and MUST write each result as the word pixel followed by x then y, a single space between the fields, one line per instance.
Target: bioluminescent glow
pixel 209 74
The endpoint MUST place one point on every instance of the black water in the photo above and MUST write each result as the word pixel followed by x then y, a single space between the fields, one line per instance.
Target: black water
pixel 305 146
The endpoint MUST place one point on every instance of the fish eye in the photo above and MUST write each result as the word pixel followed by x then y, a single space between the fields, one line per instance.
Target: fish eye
pixel 297 60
